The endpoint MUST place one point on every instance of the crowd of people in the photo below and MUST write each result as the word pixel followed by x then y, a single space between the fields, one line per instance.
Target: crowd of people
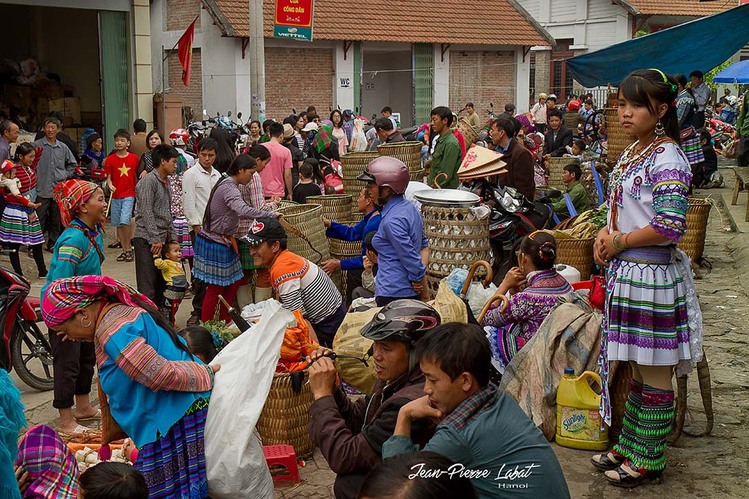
pixel 208 224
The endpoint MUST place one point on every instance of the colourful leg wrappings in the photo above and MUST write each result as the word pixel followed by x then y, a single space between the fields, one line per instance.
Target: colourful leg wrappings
pixel 628 436
pixel 656 414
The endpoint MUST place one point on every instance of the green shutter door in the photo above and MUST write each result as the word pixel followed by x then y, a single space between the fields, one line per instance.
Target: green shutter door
pixel 115 55
pixel 357 77
pixel 423 68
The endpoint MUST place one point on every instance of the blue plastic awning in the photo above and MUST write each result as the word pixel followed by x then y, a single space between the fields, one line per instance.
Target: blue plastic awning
pixel 735 73
pixel 701 44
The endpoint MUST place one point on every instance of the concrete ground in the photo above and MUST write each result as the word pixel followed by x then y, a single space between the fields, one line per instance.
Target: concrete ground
pixel 713 466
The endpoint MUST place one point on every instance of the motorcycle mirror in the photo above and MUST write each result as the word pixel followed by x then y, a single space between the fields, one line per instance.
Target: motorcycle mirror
pixel 218 114
pixel 239 115
pixel 228 114
pixel 293 110
pixel 491 105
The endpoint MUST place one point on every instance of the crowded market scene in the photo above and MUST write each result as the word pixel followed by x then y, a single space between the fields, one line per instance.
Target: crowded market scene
pixel 432 262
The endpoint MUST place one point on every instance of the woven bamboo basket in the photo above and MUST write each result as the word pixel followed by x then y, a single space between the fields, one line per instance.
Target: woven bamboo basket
pixel 469 133
pixel 556 166
pixel 617 140
pixel 577 253
pixel 571 120
pixel 409 153
pixel 352 165
pixel 306 219
pixel 693 242
pixel 456 239
pixel 336 207
pixel 285 418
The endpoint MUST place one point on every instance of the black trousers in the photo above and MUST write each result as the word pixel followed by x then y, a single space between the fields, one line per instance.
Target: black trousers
pixel 353 281
pixel 147 277
pixel 198 288
pixel 49 219
pixel 743 157
pixel 37 251
pixel 73 363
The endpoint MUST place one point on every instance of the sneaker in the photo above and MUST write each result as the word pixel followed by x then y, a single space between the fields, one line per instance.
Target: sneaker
pixel 129 257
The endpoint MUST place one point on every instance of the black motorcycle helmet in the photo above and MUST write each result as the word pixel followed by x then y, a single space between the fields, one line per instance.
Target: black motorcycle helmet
pixel 404 320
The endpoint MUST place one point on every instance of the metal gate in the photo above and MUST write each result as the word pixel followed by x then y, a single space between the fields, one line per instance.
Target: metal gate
pixel 423 78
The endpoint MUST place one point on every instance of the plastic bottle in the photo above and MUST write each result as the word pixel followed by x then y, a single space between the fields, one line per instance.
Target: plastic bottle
pixel 578 420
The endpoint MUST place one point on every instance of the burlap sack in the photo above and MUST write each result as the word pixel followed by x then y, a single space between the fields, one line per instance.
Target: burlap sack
pixel 348 341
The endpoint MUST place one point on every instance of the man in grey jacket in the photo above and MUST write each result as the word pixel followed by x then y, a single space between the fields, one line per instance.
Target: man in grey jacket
pixel 57 163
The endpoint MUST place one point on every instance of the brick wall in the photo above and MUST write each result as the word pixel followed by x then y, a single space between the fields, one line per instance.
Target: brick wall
pixel 481 77
pixel 193 95
pixel 296 78
pixel 180 13
pixel 543 73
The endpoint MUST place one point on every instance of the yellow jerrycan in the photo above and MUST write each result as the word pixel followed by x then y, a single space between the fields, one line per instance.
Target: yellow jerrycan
pixel 578 420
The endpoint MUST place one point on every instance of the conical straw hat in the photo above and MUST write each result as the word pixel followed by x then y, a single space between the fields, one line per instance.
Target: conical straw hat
pixel 476 157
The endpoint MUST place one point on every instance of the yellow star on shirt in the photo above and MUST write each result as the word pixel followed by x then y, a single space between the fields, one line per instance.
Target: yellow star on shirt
pixel 124 171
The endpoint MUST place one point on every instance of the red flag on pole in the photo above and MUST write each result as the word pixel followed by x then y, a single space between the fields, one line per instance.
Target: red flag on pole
pixel 184 52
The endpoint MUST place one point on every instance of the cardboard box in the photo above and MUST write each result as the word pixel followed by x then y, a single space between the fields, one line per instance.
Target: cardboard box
pixel 17 95
pixel 70 107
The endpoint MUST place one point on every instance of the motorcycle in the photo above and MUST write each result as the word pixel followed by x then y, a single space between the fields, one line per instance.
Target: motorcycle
pixel 25 348
pixel 513 217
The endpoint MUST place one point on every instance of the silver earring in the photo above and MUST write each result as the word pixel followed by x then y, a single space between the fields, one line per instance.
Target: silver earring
pixel 659 131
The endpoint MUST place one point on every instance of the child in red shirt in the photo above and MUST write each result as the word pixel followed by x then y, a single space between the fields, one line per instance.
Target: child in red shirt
pixel 121 168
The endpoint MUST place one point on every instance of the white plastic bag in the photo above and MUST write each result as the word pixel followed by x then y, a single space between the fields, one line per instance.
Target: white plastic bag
pixel 358 139
pixel 477 296
pixel 235 463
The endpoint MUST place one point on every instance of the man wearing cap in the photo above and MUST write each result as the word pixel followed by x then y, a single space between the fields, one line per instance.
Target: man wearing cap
pixel 350 433
pixel 309 130
pixel 348 123
pixel 538 113
pixel 386 132
pixel 509 111
pixel 299 283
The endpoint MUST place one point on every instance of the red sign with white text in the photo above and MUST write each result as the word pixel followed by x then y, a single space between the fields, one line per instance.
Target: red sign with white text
pixel 296 13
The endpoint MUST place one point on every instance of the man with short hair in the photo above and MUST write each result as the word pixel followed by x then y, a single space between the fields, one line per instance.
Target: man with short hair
pixel 509 111
pixel 518 158
pixel 357 232
pixel 481 428
pixel 61 136
pixel 350 433
pixel 387 112
pixel 701 97
pixel 473 116
pixel 153 222
pixel 138 139
pixel 9 132
pixel 56 164
pixel 386 132
pixel 300 284
pixel 447 156
pixel 577 192
pixel 558 137
pixel 197 184
pixel 538 113
pixel 276 176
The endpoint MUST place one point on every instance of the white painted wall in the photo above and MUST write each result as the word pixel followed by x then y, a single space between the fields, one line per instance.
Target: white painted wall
pixel 344 78
pixel 441 95
pixel 522 80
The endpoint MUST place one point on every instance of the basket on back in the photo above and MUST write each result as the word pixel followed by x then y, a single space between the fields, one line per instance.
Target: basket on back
pixel 469 133
pixel 335 207
pixel 409 153
pixel 617 140
pixel 307 235
pixel 693 242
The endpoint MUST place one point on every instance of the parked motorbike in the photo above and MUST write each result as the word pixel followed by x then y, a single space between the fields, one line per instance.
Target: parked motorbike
pixel 513 216
pixel 24 348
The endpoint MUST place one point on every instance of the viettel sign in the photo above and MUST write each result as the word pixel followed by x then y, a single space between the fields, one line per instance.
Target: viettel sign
pixel 294 19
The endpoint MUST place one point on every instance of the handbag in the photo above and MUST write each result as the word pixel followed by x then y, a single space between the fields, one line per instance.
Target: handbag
pixel 597 294
pixel 687 133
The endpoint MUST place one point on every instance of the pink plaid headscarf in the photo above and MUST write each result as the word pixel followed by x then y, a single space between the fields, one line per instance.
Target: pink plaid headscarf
pixel 64 296
pixel 52 469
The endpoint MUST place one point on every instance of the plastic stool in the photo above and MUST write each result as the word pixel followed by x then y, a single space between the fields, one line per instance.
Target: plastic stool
pixel 285 456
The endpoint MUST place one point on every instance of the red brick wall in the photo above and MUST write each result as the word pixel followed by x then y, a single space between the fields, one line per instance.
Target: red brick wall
pixel 193 95
pixel 481 77
pixel 180 13
pixel 296 78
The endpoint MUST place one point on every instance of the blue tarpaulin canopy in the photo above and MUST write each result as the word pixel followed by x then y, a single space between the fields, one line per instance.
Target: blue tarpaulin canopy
pixel 701 44
pixel 736 73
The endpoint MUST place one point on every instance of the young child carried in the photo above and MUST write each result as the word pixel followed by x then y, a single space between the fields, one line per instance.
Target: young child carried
pixel 173 271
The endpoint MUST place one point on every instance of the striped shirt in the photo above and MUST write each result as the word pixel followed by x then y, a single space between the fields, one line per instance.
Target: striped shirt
pixel 301 285
pixel 27 176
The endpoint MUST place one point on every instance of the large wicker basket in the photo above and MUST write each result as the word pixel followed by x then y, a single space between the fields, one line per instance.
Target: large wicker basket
pixel 693 242
pixel 353 165
pixel 456 239
pixel 617 140
pixel 285 418
pixel 340 250
pixel 556 167
pixel 469 133
pixel 336 207
pixel 576 253
pixel 305 218
pixel 409 153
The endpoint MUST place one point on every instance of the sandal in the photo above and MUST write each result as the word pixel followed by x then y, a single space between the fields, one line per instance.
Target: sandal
pixel 606 463
pixel 79 430
pixel 621 478
pixel 114 245
pixel 97 415
pixel 122 257
pixel 129 256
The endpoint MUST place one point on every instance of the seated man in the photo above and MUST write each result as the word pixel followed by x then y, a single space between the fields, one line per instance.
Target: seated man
pixel 370 223
pixel 299 283
pixel 481 428
pixel 578 193
pixel 350 434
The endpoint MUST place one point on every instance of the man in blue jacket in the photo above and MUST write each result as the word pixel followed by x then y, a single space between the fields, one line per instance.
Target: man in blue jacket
pixel 370 223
